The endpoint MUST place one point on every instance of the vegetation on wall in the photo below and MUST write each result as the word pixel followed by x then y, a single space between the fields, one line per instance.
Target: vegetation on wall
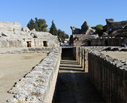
pixel 99 29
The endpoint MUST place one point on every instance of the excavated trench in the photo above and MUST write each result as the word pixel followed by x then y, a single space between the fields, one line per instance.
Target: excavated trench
pixel 72 84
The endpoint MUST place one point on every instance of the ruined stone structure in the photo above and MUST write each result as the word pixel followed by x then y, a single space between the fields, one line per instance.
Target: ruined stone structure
pixel 106 73
pixel 116 29
pixel 112 26
pixel 11 35
pixel 115 35
pixel 75 30
pixel 38 85
pixel 85 33
pixel 85 29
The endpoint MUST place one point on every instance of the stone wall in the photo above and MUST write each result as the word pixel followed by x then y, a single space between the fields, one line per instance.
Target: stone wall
pixel 111 25
pixel 107 74
pixel 38 85
pixel 11 35
pixel 9 26
pixel 101 41
pixel 28 50
pixel 8 43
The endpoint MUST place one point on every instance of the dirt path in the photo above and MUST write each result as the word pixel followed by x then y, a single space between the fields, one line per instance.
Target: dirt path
pixel 73 85
pixel 13 67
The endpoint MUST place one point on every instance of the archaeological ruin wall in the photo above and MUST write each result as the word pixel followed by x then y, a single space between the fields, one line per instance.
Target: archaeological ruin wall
pixel 28 50
pixel 106 73
pixel 12 35
pixel 38 85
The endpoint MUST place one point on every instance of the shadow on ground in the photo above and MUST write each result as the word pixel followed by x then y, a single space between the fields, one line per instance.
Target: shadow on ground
pixel 73 85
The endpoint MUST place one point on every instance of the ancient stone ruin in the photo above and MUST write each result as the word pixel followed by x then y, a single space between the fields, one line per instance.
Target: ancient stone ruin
pixel 116 29
pixel 106 73
pixel 11 35
pixel 85 29
pixel 86 32
pixel 38 85
pixel 113 34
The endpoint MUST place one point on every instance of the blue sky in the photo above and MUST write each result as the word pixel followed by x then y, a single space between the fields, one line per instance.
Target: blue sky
pixel 65 13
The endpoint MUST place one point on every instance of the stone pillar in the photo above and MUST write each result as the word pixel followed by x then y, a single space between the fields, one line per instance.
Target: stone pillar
pixel 83 56
pixel 85 60
pixel 80 57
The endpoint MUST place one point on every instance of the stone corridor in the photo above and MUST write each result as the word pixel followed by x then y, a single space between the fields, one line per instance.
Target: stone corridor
pixel 73 85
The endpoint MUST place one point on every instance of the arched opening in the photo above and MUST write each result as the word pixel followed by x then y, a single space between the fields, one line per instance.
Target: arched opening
pixel 106 43
pixel 28 43
pixel 45 43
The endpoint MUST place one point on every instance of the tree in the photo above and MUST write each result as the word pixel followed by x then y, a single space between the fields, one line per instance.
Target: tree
pixel 62 35
pixel 38 24
pixel 71 40
pixel 42 25
pixel 99 27
pixel 93 27
pixel 31 24
pixel 53 29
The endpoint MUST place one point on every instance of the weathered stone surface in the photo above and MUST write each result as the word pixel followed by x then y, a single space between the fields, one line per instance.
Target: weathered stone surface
pixel 25 29
pixel 11 35
pixel 105 72
pixel 28 50
pixel 39 84
pixel 81 36
pixel 116 29
pixel 84 27
pixel 9 26
pixel 75 30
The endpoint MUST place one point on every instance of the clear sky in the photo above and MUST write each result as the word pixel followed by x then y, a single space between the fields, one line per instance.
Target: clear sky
pixel 65 13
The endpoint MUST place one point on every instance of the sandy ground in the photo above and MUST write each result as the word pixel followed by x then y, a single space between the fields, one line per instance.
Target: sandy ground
pixel 13 67
pixel 13 48
pixel 117 54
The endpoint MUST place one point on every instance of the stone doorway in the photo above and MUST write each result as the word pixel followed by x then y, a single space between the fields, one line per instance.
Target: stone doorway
pixel 89 43
pixel 28 43
pixel 45 43
pixel 106 43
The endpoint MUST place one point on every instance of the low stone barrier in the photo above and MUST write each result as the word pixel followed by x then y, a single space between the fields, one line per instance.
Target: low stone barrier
pixel 28 50
pixel 38 85
pixel 115 49
pixel 106 73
